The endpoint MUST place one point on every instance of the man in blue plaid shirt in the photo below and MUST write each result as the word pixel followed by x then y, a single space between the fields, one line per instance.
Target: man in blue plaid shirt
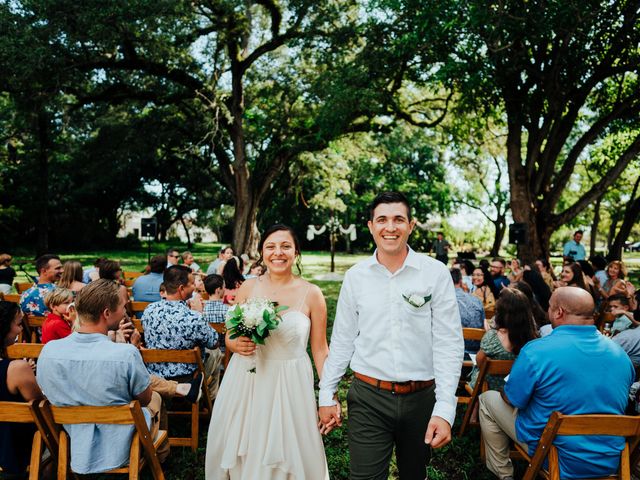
pixel 215 311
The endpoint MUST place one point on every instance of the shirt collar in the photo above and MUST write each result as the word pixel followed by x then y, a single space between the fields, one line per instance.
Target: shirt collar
pixel 412 260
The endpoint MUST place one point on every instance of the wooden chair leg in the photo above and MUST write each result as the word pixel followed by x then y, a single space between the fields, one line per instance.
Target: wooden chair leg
pixel 63 455
pixel 195 426
pixel 134 457
pixel 625 465
pixel 36 456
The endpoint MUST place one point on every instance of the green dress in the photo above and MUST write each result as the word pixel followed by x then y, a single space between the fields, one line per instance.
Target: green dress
pixel 493 349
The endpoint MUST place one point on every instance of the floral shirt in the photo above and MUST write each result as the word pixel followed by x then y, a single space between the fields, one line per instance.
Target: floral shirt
pixel 32 300
pixel 172 325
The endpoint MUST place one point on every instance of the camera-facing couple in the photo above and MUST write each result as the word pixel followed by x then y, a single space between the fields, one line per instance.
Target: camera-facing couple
pixel 397 325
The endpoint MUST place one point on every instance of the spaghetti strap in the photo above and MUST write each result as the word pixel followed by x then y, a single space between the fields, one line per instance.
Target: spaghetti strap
pixel 301 303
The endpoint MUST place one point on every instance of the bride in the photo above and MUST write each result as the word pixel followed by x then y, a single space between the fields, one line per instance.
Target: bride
pixel 264 423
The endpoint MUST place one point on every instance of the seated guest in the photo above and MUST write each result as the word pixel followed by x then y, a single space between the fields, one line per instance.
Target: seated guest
pixel 216 266
pixel 575 370
pixel 539 315
pixel 59 317
pixel 189 261
pixel 215 310
pixel 545 269
pixel 171 324
pixel 619 306
pixel 496 268
pixel 71 276
pixel 7 273
pixel 94 272
pixel 615 283
pixel 17 384
pixel 146 288
pixel 514 328
pixel 173 257
pixel 49 270
pixel 471 310
pixel 111 270
pixel 86 368
pixel 233 278
pixel 483 290
pixel 599 264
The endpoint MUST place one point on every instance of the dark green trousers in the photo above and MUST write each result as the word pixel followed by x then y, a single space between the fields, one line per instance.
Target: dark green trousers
pixel 378 420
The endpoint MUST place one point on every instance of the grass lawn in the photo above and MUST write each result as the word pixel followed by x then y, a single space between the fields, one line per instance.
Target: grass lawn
pixel 459 460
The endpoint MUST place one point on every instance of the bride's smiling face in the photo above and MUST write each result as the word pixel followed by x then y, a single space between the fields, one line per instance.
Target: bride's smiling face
pixel 279 251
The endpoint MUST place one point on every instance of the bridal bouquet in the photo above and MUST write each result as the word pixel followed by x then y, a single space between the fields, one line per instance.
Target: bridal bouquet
pixel 253 319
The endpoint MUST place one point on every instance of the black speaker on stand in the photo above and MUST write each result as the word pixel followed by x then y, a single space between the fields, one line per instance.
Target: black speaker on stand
pixel 518 234
pixel 148 229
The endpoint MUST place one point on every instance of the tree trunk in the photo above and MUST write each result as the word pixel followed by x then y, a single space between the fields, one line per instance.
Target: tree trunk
pixel 594 227
pixel 500 226
pixel 186 232
pixel 631 215
pixel 245 227
pixel 42 226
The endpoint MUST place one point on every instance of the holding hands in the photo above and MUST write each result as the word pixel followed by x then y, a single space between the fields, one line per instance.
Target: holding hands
pixel 330 417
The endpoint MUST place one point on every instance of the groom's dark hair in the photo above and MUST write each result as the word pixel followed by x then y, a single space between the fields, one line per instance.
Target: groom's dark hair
pixel 389 197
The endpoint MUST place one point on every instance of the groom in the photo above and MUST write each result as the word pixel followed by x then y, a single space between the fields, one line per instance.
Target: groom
pixel 398 325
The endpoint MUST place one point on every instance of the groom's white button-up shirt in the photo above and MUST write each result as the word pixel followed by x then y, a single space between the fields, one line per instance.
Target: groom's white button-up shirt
pixel 387 338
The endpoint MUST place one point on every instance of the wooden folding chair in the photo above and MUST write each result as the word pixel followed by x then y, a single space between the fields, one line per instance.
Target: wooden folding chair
pixel 32 323
pixel 24 350
pixel 12 297
pixel 138 324
pixel 137 308
pixel 22 286
pixel 130 414
pixel 468 334
pixel 184 356
pixel 222 330
pixel 489 367
pixel 23 412
pixel 128 282
pixel 559 424
pixel 131 275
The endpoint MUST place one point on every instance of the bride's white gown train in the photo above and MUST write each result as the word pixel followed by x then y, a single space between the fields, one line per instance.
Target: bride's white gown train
pixel 263 425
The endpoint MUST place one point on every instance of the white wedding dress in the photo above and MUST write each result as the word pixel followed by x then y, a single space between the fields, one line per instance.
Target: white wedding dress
pixel 263 425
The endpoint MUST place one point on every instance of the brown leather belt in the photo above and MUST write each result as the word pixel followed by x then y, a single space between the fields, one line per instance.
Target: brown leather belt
pixel 397 388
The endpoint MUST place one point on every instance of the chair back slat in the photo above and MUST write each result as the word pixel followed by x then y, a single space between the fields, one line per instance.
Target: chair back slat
pixel 12 297
pixel 618 425
pixel 18 412
pixel 219 327
pixel 127 275
pixel 22 286
pixel 170 356
pixel 24 350
pixel 119 415
pixel 473 333
pixel 499 367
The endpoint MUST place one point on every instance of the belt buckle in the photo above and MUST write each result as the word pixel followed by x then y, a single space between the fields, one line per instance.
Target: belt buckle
pixel 393 388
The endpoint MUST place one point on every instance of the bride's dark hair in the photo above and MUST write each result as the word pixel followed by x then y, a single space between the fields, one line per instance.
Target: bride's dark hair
pixel 278 227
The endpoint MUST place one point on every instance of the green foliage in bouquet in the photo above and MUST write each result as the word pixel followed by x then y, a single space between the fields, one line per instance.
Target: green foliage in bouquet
pixel 253 319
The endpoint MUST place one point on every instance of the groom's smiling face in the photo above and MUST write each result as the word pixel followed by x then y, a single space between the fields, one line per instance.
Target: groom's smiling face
pixel 391 228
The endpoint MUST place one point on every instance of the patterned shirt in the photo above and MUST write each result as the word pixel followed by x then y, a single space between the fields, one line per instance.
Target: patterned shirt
pixel 32 300
pixel 215 311
pixel 471 316
pixel 172 325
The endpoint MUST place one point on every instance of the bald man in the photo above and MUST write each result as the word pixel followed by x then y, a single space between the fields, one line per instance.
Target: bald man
pixel 574 370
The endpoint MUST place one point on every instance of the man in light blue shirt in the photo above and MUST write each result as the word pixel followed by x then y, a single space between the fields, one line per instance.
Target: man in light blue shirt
pixel 574 370
pixel 146 288
pixel 86 368
pixel 574 249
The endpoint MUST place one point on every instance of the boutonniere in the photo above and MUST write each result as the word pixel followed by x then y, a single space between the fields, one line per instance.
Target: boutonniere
pixel 416 300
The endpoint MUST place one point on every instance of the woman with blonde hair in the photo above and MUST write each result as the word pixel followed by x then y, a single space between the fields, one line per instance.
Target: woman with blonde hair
pixel 71 276
pixel 615 283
